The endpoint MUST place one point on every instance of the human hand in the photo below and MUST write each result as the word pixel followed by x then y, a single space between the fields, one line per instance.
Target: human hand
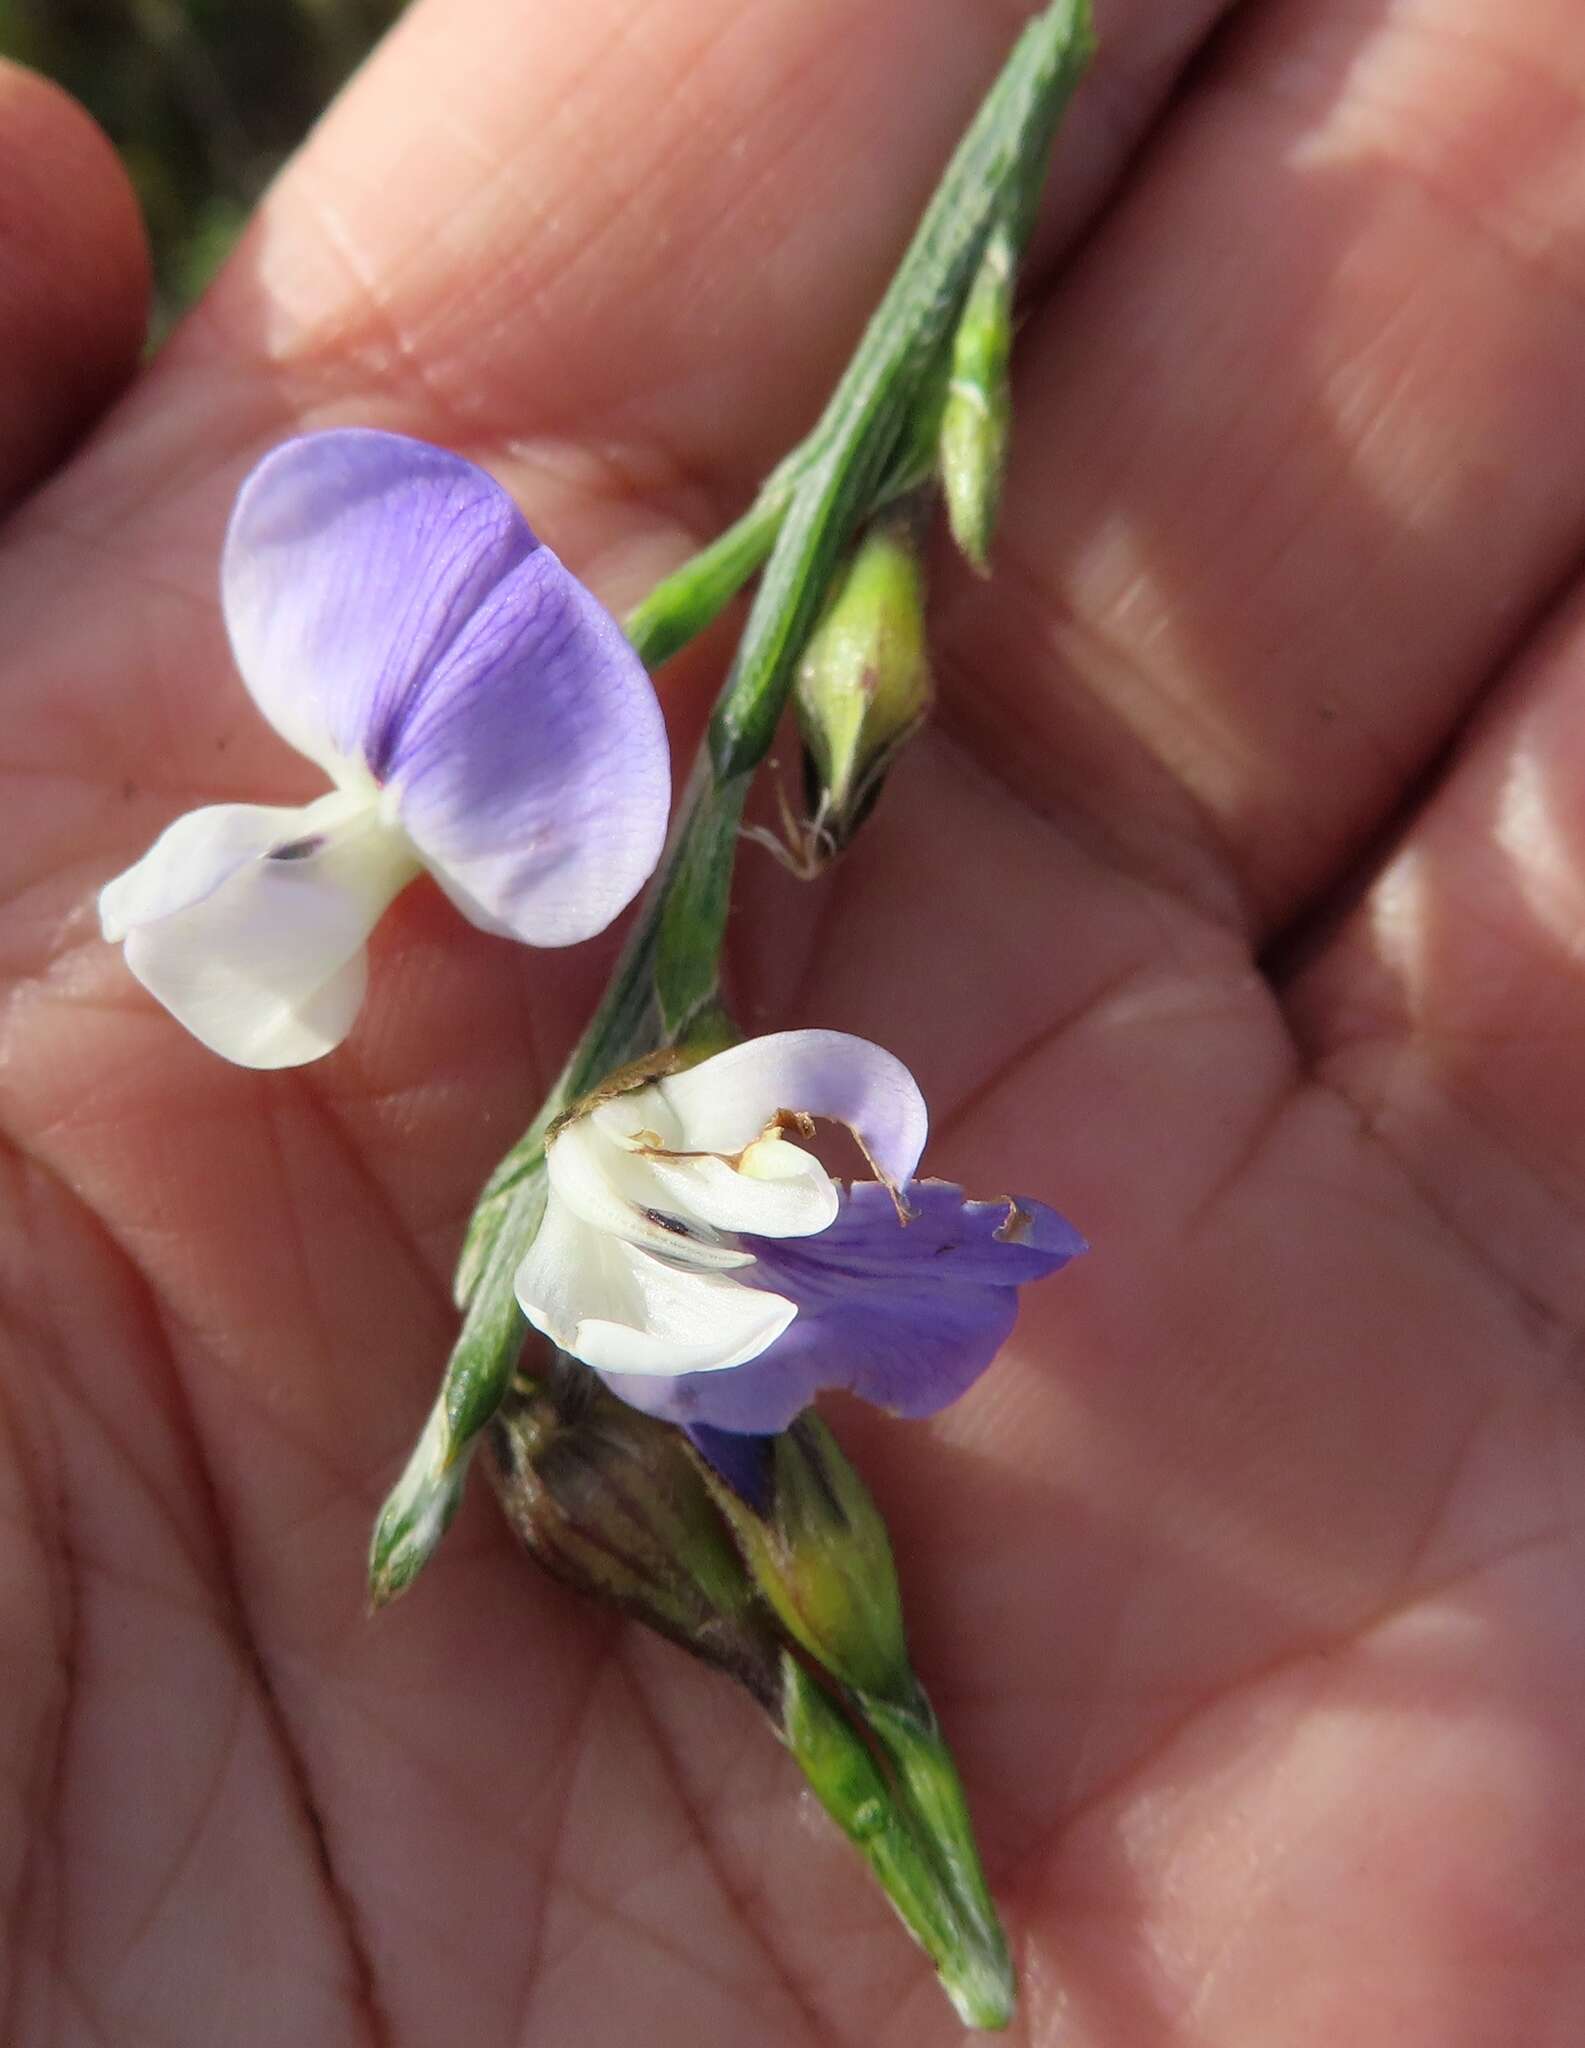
pixel 1231 905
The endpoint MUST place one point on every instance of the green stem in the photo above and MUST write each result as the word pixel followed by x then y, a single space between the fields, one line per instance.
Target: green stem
pixel 692 597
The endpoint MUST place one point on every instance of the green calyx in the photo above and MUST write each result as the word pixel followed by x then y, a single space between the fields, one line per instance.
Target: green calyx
pixel 820 1555
pixel 940 1898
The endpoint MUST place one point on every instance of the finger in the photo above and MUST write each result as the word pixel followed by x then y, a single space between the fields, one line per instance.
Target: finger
pixel 621 250
pixel 74 276
pixel 514 229
pixel 1299 450
pixel 1448 1006
pixel 656 226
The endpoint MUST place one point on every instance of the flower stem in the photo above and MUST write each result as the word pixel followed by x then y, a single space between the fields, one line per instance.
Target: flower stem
pixel 692 597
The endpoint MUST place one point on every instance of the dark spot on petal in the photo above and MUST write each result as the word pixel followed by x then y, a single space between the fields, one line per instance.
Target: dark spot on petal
pixel 674 1224
pixel 298 849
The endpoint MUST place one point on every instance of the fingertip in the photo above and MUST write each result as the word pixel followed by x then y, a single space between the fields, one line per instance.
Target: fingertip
pixel 74 275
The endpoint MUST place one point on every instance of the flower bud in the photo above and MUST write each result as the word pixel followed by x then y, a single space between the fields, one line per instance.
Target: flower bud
pixel 819 1553
pixel 609 1501
pixel 864 682
pixel 976 419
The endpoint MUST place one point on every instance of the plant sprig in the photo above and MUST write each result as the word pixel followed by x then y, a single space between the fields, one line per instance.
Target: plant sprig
pixel 864 450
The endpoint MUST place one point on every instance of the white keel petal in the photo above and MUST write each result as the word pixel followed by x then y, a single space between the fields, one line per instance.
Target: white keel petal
pixel 778 1190
pixel 615 1189
pixel 249 923
pixel 620 1309
pixel 191 860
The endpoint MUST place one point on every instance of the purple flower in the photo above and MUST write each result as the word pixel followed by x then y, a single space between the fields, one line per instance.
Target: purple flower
pixel 713 1273
pixel 478 712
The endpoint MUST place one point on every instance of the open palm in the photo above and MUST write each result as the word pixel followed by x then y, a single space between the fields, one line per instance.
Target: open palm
pixel 1234 904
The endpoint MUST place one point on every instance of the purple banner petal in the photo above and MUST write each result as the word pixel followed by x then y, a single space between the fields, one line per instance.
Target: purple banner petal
pixel 352 562
pixel 532 771
pixel 389 607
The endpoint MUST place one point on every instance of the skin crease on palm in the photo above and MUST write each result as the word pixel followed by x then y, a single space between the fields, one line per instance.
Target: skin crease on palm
pixel 1233 904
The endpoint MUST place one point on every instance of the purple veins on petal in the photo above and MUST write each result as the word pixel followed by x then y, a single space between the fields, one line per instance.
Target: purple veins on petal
pixel 395 619
pixel 532 772
pixel 352 561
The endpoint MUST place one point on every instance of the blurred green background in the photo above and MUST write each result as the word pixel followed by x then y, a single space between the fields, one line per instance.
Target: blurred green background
pixel 203 98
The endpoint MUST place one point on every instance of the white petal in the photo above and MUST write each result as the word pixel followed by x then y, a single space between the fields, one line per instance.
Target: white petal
pixel 778 1190
pixel 571 1270
pixel 248 923
pixel 621 1310
pixel 190 860
pixel 693 1322
pixel 614 1189
pixel 725 1102
pixel 641 1116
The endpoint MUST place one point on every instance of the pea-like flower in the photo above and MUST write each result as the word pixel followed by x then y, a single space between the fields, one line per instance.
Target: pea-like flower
pixel 478 712
pixel 712 1271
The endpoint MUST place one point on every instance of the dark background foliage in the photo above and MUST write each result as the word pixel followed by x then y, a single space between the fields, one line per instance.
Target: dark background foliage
pixel 202 98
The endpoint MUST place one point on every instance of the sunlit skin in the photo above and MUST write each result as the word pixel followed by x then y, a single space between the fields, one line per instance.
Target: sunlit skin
pixel 1233 904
